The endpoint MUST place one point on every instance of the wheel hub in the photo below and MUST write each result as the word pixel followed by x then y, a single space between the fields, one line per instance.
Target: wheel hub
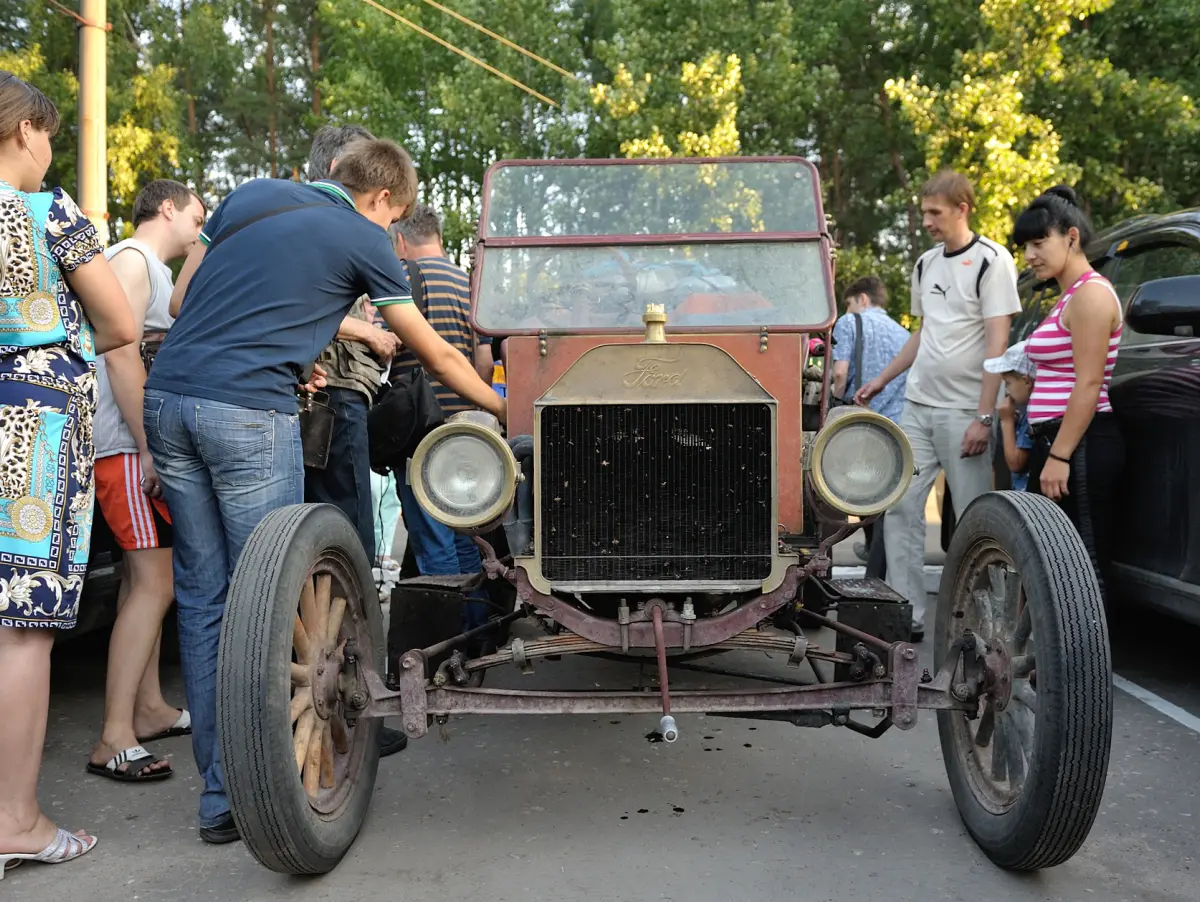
pixel 326 673
pixel 998 666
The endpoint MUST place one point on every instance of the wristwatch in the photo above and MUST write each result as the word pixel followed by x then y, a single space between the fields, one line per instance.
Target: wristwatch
pixel 985 418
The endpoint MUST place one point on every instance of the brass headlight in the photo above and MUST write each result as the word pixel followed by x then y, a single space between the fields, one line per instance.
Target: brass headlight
pixel 464 474
pixel 861 462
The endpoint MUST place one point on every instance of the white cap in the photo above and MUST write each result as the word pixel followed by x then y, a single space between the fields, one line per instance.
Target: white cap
pixel 1014 360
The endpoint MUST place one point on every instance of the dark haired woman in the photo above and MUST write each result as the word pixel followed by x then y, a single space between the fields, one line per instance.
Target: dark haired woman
pixel 1078 451
pixel 60 306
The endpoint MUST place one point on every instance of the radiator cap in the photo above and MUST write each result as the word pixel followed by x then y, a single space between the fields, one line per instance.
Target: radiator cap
pixel 655 319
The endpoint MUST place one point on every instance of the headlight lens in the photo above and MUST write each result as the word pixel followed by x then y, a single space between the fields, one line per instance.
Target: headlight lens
pixel 861 462
pixel 464 475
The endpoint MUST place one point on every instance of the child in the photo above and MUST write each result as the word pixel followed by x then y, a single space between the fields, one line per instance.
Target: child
pixel 1018 373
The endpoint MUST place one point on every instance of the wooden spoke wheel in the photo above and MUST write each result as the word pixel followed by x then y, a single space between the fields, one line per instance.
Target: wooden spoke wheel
pixel 321 736
pixel 301 616
pixel 1028 767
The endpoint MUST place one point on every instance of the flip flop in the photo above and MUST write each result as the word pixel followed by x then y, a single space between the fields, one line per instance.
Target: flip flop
pixel 137 759
pixel 182 727
pixel 64 847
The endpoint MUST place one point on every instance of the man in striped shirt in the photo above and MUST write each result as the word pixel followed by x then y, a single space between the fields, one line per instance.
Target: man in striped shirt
pixel 446 303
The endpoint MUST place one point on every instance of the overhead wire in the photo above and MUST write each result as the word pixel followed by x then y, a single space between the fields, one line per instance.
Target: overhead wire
pixel 463 53
pixel 103 26
pixel 503 40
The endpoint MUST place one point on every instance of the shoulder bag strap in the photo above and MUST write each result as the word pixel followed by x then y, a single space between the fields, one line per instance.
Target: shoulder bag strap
pixel 420 295
pixel 858 351
pixel 416 280
pixel 266 214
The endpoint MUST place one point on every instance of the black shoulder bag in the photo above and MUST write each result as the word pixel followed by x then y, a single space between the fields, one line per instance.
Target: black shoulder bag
pixel 848 397
pixel 408 410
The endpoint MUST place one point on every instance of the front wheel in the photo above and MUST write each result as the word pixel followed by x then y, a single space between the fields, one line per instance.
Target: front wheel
pixel 299 771
pixel 1028 769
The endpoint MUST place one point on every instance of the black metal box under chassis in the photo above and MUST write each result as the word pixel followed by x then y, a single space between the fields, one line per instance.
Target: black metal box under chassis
pixel 872 606
pixel 423 615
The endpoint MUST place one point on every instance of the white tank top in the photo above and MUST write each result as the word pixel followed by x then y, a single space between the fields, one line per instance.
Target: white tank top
pixel 109 432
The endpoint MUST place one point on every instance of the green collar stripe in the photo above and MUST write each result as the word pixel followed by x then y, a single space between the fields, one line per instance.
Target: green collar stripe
pixel 335 189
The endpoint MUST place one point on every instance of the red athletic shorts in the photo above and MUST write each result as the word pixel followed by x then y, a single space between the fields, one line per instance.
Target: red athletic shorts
pixel 136 520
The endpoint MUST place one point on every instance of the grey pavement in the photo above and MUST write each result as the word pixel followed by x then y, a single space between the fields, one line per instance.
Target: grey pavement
pixel 574 808
pixel 543 808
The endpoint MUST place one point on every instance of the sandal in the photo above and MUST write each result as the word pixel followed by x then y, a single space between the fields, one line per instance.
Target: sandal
pixel 137 759
pixel 64 847
pixel 182 727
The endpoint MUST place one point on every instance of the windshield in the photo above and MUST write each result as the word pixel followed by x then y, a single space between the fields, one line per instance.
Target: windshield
pixel 567 288
pixel 722 244
pixel 675 198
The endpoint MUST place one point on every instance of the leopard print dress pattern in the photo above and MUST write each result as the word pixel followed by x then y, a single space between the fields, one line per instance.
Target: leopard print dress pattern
pixel 47 396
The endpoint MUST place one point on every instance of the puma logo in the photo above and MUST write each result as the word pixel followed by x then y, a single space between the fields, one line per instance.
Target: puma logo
pixel 938 289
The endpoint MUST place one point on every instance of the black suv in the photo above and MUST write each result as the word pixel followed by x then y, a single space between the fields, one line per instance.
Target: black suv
pixel 1154 264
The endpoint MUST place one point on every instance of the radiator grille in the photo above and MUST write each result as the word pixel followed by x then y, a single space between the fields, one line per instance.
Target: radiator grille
pixel 662 492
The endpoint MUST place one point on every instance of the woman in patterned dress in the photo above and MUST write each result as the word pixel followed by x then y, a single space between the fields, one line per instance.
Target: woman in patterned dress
pixel 60 306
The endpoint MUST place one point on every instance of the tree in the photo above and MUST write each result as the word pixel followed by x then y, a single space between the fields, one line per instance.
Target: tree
pixel 143 107
pixel 144 142
pixel 979 123
pixel 661 36
pixel 1017 94
pixel 1129 117
pixel 454 117
pixel 702 116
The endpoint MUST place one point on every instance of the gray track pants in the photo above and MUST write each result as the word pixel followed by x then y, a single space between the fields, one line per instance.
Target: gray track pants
pixel 936 436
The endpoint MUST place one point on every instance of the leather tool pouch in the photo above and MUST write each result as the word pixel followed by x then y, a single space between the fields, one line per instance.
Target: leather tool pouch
pixel 316 429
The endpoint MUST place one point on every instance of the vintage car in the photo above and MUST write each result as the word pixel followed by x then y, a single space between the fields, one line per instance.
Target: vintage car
pixel 669 486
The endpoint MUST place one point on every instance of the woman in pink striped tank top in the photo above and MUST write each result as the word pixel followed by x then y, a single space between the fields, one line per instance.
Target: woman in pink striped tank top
pixel 1078 450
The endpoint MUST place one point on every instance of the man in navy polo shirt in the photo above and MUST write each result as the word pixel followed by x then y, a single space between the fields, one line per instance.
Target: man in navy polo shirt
pixel 279 266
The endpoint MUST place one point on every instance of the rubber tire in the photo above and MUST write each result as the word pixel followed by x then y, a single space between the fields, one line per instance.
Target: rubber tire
pixel 1073 730
pixel 268 802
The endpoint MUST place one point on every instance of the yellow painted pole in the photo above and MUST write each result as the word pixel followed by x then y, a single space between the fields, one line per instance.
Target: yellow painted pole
pixel 93 115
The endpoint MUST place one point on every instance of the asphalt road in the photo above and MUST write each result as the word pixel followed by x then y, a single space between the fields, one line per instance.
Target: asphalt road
pixel 587 808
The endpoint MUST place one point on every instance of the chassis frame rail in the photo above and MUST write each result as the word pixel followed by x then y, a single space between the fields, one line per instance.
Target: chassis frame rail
pixel 418 700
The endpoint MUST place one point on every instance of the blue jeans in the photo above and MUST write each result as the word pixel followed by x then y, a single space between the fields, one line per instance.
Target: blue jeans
pixel 346 480
pixel 223 469
pixel 440 551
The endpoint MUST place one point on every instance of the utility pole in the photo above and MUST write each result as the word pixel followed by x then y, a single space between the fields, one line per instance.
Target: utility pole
pixel 93 114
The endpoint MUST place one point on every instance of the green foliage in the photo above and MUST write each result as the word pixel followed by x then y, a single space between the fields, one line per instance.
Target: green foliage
pixel 1017 94
pixel 703 111
pixel 660 37
pixel 894 269
pixel 1133 128
pixel 979 123
pixel 455 118
pixel 143 133
pixel 144 143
